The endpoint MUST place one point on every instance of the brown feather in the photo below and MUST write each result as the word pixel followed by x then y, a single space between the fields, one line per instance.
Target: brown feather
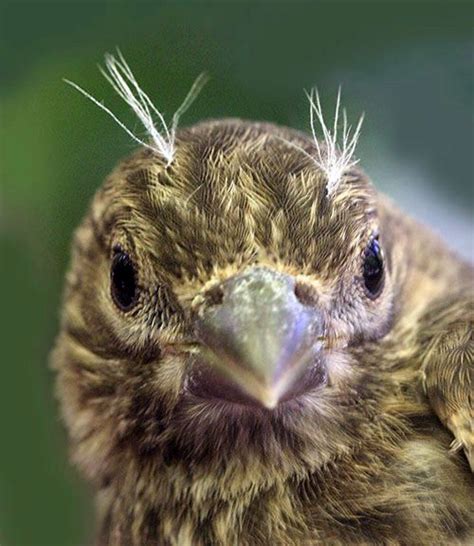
pixel 362 460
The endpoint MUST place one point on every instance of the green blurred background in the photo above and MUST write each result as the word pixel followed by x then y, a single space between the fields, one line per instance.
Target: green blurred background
pixel 407 65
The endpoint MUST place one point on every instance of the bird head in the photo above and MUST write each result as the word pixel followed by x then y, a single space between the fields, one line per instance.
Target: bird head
pixel 225 308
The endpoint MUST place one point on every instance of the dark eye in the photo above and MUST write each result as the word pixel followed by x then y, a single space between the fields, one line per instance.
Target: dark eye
pixel 123 281
pixel 373 268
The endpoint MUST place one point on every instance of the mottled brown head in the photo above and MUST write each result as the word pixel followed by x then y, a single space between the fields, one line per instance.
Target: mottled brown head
pixel 223 304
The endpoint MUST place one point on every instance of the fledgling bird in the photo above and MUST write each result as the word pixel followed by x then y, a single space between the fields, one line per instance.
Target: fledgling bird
pixel 258 348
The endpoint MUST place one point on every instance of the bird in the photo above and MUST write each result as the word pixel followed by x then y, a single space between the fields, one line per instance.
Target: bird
pixel 259 348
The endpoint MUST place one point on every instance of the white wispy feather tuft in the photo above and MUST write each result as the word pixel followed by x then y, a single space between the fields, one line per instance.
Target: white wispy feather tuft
pixel 162 136
pixel 337 157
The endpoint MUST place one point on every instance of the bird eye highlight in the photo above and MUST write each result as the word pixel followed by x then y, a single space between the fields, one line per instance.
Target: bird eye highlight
pixel 123 281
pixel 373 268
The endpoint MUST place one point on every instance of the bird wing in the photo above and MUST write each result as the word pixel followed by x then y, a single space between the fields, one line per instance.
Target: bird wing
pixel 447 366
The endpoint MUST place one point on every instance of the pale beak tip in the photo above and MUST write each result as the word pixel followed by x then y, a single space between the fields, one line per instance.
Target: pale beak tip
pixel 269 398
pixel 271 404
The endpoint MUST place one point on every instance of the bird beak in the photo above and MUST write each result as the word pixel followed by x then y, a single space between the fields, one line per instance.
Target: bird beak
pixel 258 336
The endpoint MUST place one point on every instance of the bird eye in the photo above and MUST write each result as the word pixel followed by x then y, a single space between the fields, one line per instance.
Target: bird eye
pixel 373 268
pixel 123 281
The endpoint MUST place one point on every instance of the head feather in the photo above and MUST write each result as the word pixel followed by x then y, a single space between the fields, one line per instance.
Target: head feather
pixel 337 156
pixel 121 78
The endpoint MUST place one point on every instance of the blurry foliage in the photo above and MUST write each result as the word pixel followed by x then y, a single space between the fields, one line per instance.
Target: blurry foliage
pixel 406 64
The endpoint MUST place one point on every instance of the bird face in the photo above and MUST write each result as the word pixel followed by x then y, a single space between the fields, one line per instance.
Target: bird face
pixel 223 304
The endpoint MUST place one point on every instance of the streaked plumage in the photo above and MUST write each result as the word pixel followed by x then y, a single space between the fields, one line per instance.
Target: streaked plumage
pixel 365 456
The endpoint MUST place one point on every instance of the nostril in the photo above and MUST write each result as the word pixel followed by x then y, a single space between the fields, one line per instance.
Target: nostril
pixel 214 296
pixel 304 293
